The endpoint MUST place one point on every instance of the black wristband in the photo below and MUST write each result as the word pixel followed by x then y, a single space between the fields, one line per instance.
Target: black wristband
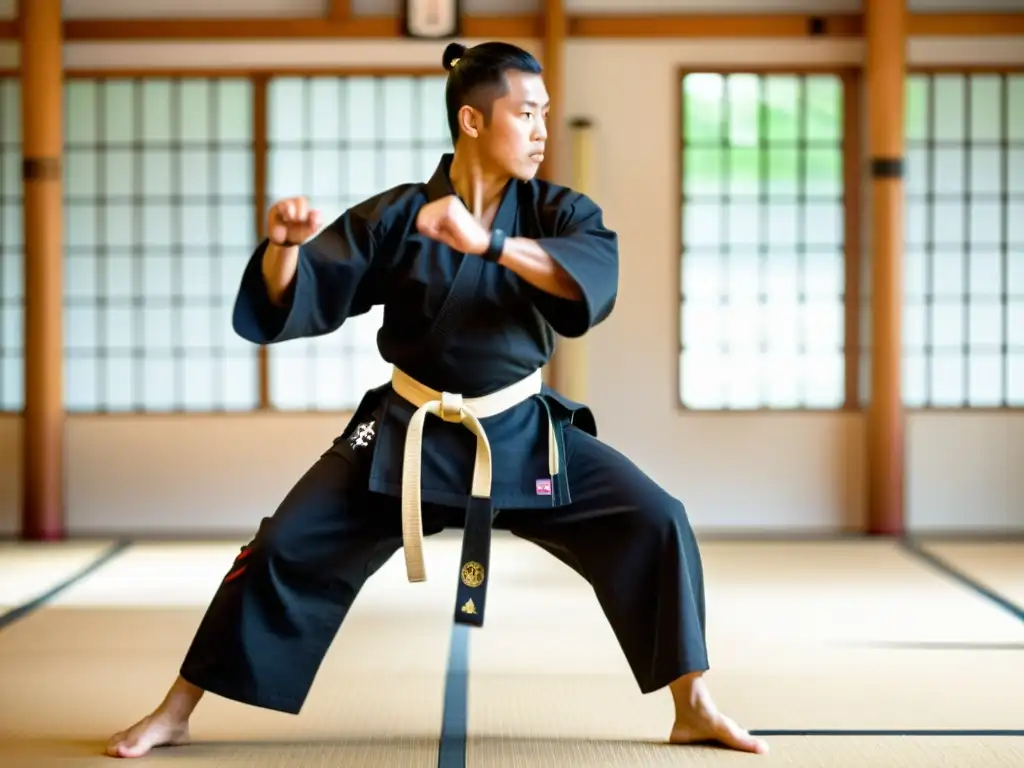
pixel 496 246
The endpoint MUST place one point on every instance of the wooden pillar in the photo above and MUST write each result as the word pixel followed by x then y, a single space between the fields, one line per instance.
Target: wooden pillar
pixel 556 27
pixel 886 42
pixel 259 173
pixel 42 94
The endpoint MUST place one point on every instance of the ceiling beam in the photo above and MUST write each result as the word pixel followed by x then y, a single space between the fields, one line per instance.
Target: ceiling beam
pixel 340 24
pixel 965 24
pixel 709 26
pixel 283 29
pixel 339 10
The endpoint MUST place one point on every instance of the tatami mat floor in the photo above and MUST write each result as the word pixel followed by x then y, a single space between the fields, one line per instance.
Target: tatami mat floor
pixel 846 653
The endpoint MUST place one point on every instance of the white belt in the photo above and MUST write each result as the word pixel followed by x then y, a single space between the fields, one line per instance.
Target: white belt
pixel 457 409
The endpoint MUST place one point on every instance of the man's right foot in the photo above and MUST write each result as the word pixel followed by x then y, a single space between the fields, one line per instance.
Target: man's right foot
pixel 156 730
pixel 698 719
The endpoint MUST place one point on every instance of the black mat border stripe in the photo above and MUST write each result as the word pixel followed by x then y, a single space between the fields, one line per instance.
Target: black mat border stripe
pixel 921 552
pixel 21 611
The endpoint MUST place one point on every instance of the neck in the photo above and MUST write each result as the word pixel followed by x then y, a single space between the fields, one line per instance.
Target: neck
pixel 463 177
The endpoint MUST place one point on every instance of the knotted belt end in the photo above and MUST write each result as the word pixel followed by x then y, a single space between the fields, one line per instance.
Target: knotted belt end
pixel 452 408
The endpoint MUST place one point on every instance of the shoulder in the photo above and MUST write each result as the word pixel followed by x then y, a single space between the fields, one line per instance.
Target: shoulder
pixel 384 210
pixel 559 207
pixel 375 224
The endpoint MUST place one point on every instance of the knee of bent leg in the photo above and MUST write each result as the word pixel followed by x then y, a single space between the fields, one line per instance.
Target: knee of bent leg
pixel 664 515
pixel 273 541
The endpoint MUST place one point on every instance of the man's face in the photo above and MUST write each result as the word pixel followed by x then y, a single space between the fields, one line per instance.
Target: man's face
pixel 513 140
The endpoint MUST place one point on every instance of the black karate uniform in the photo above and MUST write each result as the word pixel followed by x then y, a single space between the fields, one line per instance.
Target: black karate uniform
pixel 456 323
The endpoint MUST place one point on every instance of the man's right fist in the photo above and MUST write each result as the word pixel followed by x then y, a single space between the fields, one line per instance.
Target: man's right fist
pixel 291 222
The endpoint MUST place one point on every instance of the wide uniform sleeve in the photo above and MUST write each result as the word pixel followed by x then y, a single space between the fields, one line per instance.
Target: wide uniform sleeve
pixel 336 279
pixel 589 253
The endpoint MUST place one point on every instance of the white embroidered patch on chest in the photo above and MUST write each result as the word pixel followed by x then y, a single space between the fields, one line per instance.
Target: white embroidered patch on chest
pixel 363 435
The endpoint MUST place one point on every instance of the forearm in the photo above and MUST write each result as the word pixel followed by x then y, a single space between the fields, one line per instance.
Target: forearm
pixel 279 267
pixel 532 263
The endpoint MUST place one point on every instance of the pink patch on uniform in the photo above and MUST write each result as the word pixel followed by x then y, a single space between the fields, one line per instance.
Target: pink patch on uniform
pixel 543 487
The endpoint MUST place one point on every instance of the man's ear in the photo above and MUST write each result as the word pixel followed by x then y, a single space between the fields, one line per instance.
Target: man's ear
pixel 470 121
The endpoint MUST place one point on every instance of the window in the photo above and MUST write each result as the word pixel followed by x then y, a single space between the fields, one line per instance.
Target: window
pixel 159 222
pixel 963 318
pixel 338 141
pixel 12 287
pixel 762 320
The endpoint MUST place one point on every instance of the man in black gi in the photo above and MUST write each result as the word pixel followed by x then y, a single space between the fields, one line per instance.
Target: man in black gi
pixel 472 302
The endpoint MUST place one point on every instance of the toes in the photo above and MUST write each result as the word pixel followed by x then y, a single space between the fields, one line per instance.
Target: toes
pixel 115 743
pixel 123 745
pixel 134 748
pixel 138 749
pixel 732 735
pixel 747 743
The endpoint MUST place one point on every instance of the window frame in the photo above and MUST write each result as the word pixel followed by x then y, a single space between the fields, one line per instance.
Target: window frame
pixel 357 349
pixel 965 71
pixel 259 79
pixel 13 75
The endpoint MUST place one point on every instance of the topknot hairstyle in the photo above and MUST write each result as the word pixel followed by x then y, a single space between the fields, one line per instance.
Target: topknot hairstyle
pixel 452 54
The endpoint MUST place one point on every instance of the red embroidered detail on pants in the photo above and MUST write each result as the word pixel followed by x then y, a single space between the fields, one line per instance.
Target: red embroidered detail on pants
pixel 246 551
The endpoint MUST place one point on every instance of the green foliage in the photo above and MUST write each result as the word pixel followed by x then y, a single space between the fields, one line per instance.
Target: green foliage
pixel 735 124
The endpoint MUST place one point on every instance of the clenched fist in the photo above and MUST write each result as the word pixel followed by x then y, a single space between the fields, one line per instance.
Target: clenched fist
pixel 292 222
pixel 450 222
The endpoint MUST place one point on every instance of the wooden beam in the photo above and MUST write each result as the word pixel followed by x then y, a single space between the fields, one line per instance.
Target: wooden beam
pixel 710 26
pixel 510 27
pixel 284 29
pixel 227 29
pixel 965 24
pixel 886 77
pixel 339 10
pixel 42 149
pixel 339 23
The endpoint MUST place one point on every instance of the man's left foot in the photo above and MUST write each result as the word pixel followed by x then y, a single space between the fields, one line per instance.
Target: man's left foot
pixel 698 720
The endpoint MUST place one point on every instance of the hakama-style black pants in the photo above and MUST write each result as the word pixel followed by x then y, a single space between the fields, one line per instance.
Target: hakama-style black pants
pixel 284 598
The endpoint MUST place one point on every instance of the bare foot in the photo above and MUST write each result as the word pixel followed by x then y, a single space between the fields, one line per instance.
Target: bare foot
pixel 698 720
pixel 156 730
pixel 165 727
